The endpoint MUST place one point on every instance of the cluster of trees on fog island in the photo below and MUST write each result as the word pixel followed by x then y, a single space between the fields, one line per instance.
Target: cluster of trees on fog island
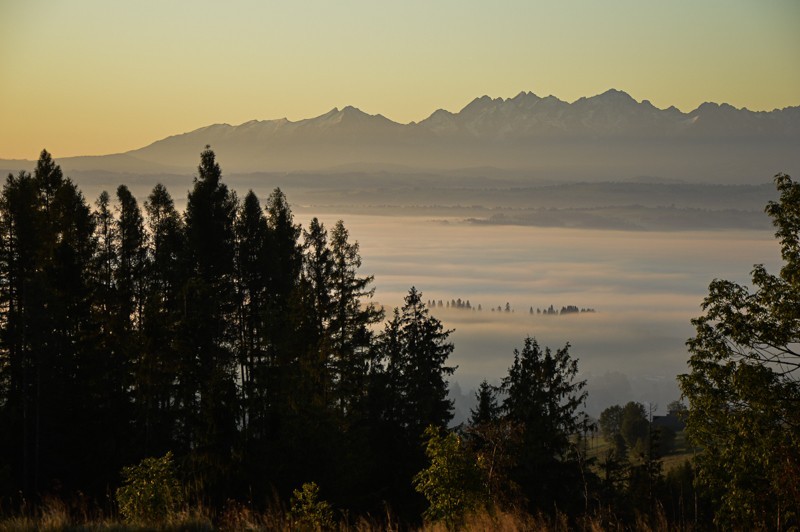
pixel 234 355
pixel 466 305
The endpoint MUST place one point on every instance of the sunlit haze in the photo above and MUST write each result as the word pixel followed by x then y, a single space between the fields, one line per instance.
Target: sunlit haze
pixel 94 77
pixel 644 288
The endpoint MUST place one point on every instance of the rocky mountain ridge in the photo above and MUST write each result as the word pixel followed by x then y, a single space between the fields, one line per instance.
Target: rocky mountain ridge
pixel 600 137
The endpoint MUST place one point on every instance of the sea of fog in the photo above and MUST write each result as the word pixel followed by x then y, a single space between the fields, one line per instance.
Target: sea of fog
pixel 643 286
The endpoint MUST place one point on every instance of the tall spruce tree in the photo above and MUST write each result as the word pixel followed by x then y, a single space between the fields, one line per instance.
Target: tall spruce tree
pixel 543 397
pixel 252 276
pixel 77 445
pixel 112 343
pixel 57 381
pixel 425 352
pixel 312 308
pixel 284 268
pixel 486 410
pixel 160 375
pixel 132 260
pixel 407 394
pixel 353 316
pixel 24 361
pixel 207 332
pixel 105 260
pixel 130 283
pixel 285 263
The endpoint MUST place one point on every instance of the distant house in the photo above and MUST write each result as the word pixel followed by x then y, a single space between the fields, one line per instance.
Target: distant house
pixel 673 420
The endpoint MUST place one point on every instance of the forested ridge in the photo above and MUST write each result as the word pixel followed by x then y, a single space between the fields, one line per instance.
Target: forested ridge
pixel 243 356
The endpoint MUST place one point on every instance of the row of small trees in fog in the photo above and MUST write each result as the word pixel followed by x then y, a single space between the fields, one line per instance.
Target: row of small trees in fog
pixel 466 305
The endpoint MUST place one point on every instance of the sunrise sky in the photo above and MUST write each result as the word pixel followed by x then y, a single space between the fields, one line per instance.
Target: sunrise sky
pixel 83 77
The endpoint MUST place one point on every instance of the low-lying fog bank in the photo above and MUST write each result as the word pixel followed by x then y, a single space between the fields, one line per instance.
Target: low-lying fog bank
pixel 644 288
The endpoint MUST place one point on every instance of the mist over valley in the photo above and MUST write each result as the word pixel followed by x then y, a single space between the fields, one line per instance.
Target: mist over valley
pixel 643 286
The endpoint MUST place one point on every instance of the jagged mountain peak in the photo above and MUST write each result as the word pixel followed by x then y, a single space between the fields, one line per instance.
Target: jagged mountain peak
pixel 609 97
pixel 615 94
pixel 481 104
pixel 521 96
pixel 517 131
pixel 347 113
pixel 353 111
pixel 525 96
pixel 714 107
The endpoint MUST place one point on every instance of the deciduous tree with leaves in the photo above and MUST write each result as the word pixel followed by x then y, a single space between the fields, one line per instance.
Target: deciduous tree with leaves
pixel 452 483
pixel 743 387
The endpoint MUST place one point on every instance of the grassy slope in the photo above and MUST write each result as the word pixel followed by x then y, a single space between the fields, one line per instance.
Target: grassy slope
pixel 680 453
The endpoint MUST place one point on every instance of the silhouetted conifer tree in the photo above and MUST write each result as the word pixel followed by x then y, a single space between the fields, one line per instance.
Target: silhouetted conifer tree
pixel 487 410
pixel 313 310
pixel 252 276
pixel 57 378
pixel 284 267
pixel 543 397
pixel 409 390
pixel 351 323
pixel 25 360
pixel 132 261
pixel 207 327
pixel 160 375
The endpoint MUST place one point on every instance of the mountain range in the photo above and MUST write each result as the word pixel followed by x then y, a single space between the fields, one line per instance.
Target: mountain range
pixel 608 136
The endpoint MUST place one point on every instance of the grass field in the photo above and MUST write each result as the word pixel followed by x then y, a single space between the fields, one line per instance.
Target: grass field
pixel 680 453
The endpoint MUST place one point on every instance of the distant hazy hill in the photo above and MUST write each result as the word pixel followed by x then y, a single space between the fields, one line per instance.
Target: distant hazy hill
pixel 607 136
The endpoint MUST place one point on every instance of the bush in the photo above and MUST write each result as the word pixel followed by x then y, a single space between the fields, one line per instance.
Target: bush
pixel 150 492
pixel 453 483
pixel 307 511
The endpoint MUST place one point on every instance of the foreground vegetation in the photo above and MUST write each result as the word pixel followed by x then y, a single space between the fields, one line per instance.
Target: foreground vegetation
pixel 56 516
pixel 224 368
pixel 744 386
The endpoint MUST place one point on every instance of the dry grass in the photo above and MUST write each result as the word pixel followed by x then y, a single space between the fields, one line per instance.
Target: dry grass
pixel 501 521
pixel 54 515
